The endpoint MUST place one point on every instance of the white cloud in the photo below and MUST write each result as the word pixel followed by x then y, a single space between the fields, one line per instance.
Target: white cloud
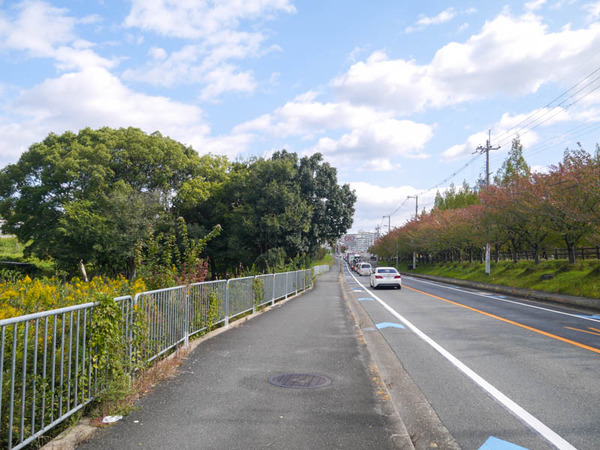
pixel 540 169
pixel 424 21
pixel 36 27
pixel 44 31
pixel 534 5
pixel 157 53
pixel 443 17
pixel 593 9
pixel 230 146
pixel 306 117
pixel 374 202
pixel 385 138
pixel 225 79
pixel 192 19
pixel 204 63
pixel 510 127
pixel 509 56
pixel 102 100
pixel 378 165
pixel 212 30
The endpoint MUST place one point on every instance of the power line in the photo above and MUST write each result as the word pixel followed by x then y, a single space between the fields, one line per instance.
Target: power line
pixel 534 120
pixel 471 161
pixel 532 117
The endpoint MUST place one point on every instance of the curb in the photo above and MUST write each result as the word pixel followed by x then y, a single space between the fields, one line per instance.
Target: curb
pixel 422 427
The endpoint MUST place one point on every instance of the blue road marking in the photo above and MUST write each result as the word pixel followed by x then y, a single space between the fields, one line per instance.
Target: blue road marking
pixel 388 325
pixel 498 444
pixel 365 299
pixel 595 316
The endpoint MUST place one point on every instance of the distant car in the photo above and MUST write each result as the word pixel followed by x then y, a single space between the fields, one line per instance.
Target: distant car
pixel 364 269
pixel 385 276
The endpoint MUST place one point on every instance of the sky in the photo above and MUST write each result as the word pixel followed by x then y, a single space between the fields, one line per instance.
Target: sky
pixel 397 95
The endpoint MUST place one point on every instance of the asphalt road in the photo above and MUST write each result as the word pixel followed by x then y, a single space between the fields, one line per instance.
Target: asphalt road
pixel 222 399
pixel 496 370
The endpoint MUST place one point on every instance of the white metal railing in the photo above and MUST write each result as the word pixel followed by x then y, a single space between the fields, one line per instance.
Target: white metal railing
pixel 46 359
pixel 318 270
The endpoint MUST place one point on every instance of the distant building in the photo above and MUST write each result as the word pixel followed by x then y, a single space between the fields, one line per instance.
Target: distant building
pixel 359 242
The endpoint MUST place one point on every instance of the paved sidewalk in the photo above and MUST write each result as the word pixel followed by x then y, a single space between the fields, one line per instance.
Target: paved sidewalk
pixel 222 398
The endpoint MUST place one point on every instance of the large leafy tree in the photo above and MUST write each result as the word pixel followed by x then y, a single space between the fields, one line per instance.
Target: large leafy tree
pixel 92 195
pixel 271 210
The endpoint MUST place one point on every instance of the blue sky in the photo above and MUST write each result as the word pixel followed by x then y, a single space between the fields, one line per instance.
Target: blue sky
pixel 396 94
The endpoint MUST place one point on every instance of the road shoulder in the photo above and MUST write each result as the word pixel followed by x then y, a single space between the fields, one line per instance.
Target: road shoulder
pixel 422 425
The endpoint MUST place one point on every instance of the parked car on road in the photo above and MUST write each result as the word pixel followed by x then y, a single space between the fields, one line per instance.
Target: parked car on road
pixel 364 269
pixel 385 276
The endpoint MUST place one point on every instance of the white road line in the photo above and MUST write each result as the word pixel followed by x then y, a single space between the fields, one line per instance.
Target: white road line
pixel 503 299
pixel 513 407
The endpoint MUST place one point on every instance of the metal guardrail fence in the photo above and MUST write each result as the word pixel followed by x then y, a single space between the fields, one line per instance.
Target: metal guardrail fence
pixel 47 370
pixel 317 270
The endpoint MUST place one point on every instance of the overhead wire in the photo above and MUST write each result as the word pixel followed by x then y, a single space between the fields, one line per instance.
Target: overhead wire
pixel 531 122
pixel 542 112
pixel 456 172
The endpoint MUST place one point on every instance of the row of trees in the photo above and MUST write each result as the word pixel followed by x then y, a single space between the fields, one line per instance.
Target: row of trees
pixel 115 200
pixel 520 211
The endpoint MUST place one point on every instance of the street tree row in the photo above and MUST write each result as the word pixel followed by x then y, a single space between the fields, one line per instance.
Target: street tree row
pixel 520 212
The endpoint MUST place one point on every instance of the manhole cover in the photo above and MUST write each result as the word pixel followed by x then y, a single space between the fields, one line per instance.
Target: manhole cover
pixel 300 381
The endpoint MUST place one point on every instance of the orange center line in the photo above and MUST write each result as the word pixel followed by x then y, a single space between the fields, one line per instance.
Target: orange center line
pixel 553 336
pixel 583 331
pixel 595 329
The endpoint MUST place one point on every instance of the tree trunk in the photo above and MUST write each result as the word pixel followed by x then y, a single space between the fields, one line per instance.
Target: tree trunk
pixel 83 272
pixel 571 252
pixel 536 254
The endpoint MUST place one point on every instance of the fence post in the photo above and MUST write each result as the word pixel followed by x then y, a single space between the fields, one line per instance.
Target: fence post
pixel 286 285
pixel 273 290
pixel 133 351
pixel 227 304
pixel 186 318
pixel 254 295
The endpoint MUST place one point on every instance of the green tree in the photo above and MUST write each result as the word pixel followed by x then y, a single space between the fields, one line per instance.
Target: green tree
pixel 453 199
pixel 272 210
pixel 92 195
pixel 514 166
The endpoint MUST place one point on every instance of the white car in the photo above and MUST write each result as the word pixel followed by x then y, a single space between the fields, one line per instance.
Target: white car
pixel 386 276
pixel 364 269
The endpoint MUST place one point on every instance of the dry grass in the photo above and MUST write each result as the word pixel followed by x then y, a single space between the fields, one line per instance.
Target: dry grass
pixel 142 384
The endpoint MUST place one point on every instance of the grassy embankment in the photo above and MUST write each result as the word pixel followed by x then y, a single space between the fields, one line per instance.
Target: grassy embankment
pixel 327 260
pixel 12 250
pixel 581 279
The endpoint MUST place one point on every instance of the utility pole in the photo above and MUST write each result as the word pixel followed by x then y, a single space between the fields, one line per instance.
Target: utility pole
pixel 480 150
pixel 416 197
pixel 389 222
